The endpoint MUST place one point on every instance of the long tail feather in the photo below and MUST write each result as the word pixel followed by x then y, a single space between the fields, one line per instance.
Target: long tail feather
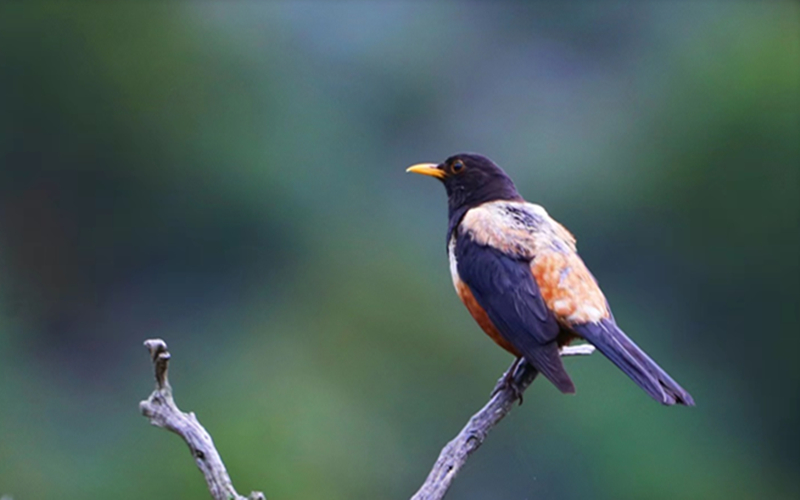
pixel 629 358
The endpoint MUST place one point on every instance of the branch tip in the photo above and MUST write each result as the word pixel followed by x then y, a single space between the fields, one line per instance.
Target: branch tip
pixel 160 356
pixel 155 346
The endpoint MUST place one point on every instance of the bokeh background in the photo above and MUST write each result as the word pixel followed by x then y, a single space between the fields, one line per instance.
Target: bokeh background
pixel 230 177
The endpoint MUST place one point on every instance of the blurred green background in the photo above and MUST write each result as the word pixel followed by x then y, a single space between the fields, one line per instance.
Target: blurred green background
pixel 230 177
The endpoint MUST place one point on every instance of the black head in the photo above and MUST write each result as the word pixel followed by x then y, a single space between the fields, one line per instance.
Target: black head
pixel 470 180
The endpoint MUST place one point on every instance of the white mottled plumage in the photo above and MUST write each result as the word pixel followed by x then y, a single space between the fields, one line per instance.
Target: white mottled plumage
pixel 516 227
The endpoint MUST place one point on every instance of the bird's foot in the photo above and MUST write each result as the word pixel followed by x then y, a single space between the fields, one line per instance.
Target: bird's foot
pixel 508 381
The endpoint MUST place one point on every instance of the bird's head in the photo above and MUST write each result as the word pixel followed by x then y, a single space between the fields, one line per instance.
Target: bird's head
pixel 470 180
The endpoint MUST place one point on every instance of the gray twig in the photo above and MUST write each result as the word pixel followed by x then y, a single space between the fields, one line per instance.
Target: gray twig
pixel 162 411
pixel 455 454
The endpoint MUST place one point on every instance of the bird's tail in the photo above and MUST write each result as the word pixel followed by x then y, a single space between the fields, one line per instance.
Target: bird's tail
pixel 629 358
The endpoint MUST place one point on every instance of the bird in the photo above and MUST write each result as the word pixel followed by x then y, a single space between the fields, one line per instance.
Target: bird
pixel 518 272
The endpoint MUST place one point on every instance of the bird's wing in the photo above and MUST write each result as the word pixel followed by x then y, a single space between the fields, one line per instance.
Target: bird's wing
pixel 526 232
pixel 504 288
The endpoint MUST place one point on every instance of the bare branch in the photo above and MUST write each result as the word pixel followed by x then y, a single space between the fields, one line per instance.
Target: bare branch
pixel 455 454
pixel 162 411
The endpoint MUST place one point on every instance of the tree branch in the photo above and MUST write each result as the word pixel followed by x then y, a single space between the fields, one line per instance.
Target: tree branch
pixel 162 411
pixel 455 454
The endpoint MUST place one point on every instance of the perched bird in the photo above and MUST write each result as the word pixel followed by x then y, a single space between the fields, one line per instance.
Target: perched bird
pixel 519 274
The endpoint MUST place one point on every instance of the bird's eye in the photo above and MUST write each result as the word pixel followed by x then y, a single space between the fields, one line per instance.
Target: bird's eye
pixel 458 166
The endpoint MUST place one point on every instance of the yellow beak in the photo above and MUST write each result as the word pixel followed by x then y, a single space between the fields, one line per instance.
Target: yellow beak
pixel 427 169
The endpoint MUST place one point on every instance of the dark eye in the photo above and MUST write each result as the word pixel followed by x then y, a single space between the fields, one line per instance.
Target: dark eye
pixel 458 166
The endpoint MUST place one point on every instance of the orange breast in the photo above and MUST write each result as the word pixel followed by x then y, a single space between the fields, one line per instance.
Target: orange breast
pixel 482 318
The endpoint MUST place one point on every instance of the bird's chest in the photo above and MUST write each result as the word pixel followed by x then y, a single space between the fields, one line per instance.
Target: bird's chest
pixel 476 311
pixel 451 256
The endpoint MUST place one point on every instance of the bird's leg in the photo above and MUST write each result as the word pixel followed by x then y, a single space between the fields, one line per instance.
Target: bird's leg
pixel 508 380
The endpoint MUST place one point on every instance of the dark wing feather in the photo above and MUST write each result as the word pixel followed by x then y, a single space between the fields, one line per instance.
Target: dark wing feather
pixel 505 288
